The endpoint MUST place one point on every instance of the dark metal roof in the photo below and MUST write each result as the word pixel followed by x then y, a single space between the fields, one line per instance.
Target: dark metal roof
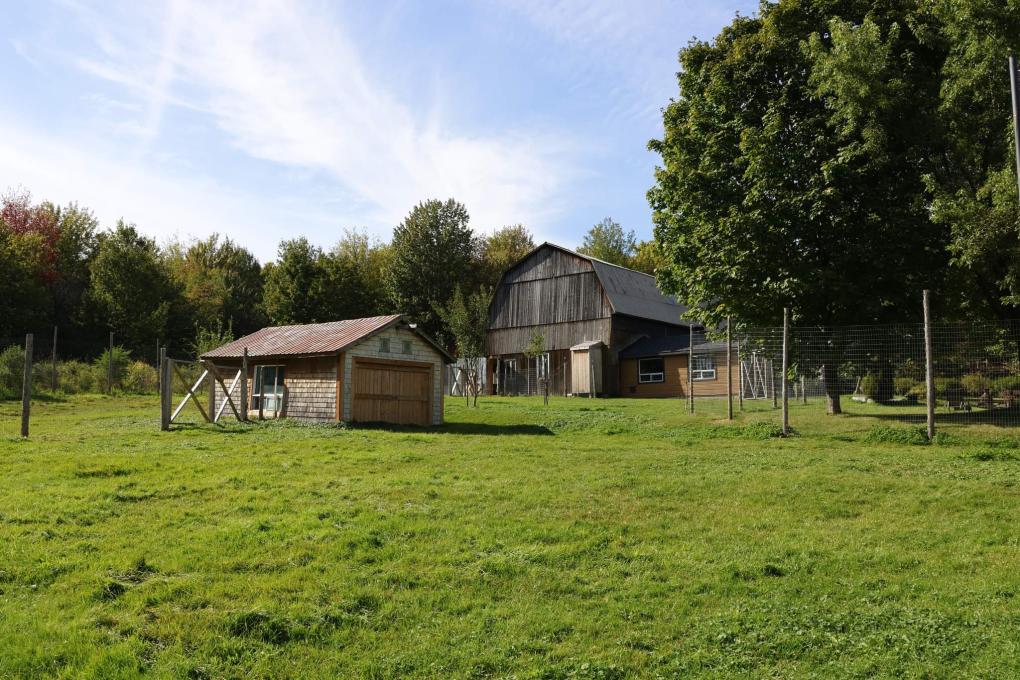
pixel 313 339
pixel 670 344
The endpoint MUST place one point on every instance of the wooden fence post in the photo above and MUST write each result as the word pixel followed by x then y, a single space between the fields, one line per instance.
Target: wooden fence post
pixel 929 369
pixel 785 367
pixel 212 394
pixel 244 385
pixel 109 367
pixel 690 369
pixel 26 386
pixel 53 359
pixel 740 378
pixel 729 369
pixel 164 390
pixel 772 383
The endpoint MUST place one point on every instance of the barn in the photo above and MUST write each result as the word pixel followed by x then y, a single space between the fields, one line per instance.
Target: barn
pixel 581 312
pixel 377 369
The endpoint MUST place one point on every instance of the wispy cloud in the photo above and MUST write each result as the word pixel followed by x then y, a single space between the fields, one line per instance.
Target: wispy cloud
pixel 286 84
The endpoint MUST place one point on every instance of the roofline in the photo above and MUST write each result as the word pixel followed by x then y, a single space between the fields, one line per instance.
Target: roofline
pixel 397 319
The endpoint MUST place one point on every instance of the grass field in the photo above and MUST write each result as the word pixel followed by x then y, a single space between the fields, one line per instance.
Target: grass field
pixel 587 539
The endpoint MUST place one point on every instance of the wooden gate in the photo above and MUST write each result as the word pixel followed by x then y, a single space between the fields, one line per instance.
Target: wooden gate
pixel 387 391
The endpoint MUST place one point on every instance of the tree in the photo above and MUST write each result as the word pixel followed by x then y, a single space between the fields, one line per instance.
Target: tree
pixel 466 318
pixel 608 241
pixel 501 249
pixel 222 283
pixel 134 292
pixel 433 250
pixel 295 284
pixel 359 267
pixel 648 258
pixel 792 169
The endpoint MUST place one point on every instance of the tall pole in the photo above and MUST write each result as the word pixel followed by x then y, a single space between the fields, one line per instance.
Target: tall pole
pixel 782 376
pixel 53 360
pixel 729 369
pixel 109 367
pixel 740 378
pixel 244 385
pixel 26 386
pixel 164 392
pixel 1014 81
pixel 690 370
pixel 929 370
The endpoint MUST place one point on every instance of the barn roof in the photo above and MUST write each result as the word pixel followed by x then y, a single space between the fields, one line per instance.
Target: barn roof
pixel 671 344
pixel 630 292
pixel 313 339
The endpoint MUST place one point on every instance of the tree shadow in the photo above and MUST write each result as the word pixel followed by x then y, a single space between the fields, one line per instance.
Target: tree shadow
pixel 1001 417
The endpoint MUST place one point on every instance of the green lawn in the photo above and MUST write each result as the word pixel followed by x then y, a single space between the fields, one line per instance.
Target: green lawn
pixel 587 539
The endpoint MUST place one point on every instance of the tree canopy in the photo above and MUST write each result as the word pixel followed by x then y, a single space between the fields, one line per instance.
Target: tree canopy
pixel 607 241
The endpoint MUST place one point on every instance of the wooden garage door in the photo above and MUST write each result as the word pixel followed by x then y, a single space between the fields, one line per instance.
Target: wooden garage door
pixel 392 392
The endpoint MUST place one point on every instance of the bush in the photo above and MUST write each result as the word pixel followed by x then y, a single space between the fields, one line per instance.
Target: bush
pixel 974 384
pixel 77 377
pixel 121 361
pixel 140 378
pixel 877 387
pixel 948 388
pixel 12 370
pixel 1007 382
pixel 904 386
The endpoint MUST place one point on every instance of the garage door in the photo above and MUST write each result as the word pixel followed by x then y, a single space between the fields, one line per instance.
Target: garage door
pixel 391 392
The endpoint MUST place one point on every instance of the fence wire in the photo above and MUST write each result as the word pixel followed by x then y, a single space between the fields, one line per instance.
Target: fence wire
pixel 879 371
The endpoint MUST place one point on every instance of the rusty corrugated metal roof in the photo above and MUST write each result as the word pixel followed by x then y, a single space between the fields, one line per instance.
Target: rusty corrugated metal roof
pixel 306 339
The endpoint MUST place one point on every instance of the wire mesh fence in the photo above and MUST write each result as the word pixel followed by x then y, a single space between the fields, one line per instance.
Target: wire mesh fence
pixel 879 372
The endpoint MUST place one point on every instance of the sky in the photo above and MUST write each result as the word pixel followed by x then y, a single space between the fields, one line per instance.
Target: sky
pixel 268 120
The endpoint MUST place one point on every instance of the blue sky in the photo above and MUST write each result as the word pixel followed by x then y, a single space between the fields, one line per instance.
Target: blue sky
pixel 269 120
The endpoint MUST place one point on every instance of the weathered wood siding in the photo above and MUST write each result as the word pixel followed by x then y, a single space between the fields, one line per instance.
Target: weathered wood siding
pixel 552 293
pixel 310 389
pixel 419 351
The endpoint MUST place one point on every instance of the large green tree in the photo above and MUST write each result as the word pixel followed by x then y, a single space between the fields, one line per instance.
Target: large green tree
pixel 501 249
pixel 608 241
pixel 135 294
pixel 793 164
pixel 433 252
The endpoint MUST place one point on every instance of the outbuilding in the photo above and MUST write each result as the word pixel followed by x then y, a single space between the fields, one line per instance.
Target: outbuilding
pixel 658 367
pixel 377 369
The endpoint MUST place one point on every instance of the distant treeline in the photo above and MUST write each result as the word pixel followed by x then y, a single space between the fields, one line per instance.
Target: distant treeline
pixel 58 267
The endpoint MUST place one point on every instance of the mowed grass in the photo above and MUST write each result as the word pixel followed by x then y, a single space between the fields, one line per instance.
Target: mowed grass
pixel 586 539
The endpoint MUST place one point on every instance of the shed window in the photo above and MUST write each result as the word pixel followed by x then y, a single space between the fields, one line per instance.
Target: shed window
pixel 268 389
pixel 407 346
pixel 703 367
pixel 651 370
pixel 384 345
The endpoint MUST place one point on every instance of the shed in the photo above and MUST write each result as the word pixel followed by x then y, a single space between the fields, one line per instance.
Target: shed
pixel 586 367
pixel 377 369
pixel 658 367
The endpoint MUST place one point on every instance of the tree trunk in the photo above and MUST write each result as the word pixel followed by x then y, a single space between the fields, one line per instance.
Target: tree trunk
pixel 831 381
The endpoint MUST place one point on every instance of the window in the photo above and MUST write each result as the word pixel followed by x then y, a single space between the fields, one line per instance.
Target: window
pixel 703 367
pixel 407 346
pixel 384 345
pixel 651 370
pixel 268 389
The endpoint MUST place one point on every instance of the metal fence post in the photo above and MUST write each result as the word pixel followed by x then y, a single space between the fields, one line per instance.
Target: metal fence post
pixel 785 366
pixel 26 386
pixel 929 369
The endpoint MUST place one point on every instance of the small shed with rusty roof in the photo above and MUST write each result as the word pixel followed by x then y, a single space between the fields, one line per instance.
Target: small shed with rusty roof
pixel 377 369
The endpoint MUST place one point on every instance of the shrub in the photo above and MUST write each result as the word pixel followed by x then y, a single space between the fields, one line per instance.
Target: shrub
pixel 1007 382
pixel 974 384
pixel 877 386
pixel 77 377
pixel 903 386
pixel 869 386
pixel 140 378
pixel 12 369
pixel 948 388
pixel 121 360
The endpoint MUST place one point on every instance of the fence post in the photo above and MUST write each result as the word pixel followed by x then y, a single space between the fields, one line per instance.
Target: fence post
pixel 212 393
pixel 782 376
pixel 53 359
pixel 164 390
pixel 729 369
pixel 740 378
pixel 26 386
pixel 690 369
pixel 159 365
pixel 109 367
pixel 244 385
pixel 929 369
pixel 772 383
pixel 803 389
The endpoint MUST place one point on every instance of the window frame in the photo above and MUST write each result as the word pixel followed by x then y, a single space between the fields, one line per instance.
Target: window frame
pixel 646 377
pixel 273 398
pixel 704 373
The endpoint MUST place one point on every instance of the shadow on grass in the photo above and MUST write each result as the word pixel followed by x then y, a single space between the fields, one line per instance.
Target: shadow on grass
pixel 1001 417
pixel 459 428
